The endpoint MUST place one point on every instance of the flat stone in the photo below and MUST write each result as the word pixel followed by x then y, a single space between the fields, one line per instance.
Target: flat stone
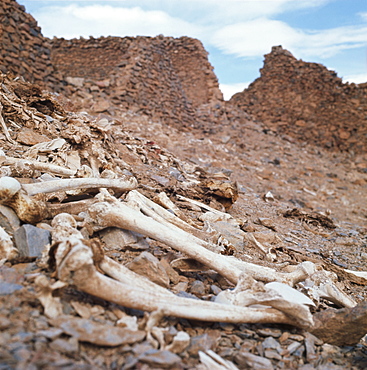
pixel 344 327
pixel 29 137
pixel 31 240
pixel 148 265
pixel 8 219
pixel 115 237
pixel 68 346
pixel 271 343
pixel 154 357
pixel 5 323
pixel 248 360
pixel 197 288
pixel 202 343
pixel 51 333
pixel 9 288
pixel 92 332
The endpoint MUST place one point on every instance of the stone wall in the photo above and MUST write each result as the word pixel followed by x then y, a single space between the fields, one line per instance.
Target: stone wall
pixel 23 49
pixel 164 77
pixel 308 102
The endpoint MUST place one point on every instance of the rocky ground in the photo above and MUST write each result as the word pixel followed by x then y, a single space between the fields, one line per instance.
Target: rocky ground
pixel 281 203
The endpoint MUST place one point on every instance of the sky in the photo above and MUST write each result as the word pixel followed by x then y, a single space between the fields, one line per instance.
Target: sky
pixel 236 33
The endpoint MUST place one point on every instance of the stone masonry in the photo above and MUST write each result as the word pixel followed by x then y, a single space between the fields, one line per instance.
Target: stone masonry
pixel 308 102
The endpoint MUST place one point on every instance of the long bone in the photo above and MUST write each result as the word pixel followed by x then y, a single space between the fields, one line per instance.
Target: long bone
pixel 75 265
pixel 36 165
pixel 115 213
pixel 161 215
pixel 122 184
pixel 28 201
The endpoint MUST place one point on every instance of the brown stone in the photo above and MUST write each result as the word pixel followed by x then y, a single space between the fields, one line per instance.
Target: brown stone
pixel 344 327
pixel 29 137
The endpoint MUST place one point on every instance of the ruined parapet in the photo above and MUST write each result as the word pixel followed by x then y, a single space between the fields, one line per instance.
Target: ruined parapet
pixel 308 102
pixel 23 50
pixel 163 77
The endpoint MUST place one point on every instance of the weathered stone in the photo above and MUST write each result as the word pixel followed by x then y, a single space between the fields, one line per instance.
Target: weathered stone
pixel 271 343
pixel 253 362
pixel 28 136
pixel 164 359
pixel 343 327
pixel 197 288
pixel 9 288
pixel 76 81
pixel 148 265
pixel 116 238
pixel 89 331
pixel 203 343
pixel 8 219
pixel 31 240
pixel 68 346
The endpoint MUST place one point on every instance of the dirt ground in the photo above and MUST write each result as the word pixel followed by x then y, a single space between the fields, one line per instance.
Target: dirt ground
pixel 274 175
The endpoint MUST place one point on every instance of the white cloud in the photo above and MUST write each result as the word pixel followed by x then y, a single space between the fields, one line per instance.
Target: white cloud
pixel 356 78
pixel 254 38
pixel 96 20
pixel 229 90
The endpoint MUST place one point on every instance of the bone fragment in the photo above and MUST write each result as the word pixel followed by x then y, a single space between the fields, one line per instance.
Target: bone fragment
pixel 204 206
pixel 28 209
pixel 362 274
pixel 322 284
pixel 212 361
pixel 28 200
pixel 268 252
pixel 158 213
pixel 163 200
pixel 7 249
pixel 4 127
pixel 40 166
pixel 122 184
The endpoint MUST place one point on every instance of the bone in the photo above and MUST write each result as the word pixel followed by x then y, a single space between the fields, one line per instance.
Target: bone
pixel 28 200
pixel 161 215
pixel 28 209
pixel 122 184
pixel 73 208
pixel 75 266
pixel 36 165
pixel 7 249
pixel 269 253
pixel 116 214
pixel 4 127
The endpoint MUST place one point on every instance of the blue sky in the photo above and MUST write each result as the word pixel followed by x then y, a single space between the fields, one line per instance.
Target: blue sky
pixel 236 33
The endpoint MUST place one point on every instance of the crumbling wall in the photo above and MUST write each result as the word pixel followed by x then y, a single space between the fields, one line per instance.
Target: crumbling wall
pixel 308 102
pixel 23 49
pixel 166 78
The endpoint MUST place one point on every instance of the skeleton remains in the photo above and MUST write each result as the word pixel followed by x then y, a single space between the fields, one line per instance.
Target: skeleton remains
pixel 261 295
